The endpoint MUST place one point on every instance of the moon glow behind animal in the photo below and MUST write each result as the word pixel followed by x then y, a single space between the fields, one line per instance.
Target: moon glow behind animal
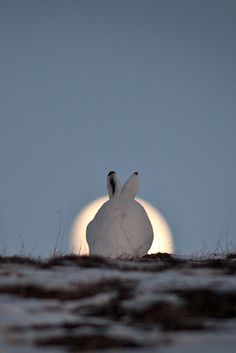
pixel 162 242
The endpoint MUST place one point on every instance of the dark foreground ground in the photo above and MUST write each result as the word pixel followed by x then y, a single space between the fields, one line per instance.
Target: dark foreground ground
pixel 156 303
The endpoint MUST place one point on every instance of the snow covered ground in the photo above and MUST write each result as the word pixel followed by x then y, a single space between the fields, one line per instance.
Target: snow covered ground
pixel 156 303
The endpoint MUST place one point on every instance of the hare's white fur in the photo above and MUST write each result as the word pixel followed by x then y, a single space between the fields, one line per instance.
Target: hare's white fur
pixel 121 227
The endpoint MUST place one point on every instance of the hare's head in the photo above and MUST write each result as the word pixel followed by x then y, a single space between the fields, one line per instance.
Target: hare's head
pixel 128 190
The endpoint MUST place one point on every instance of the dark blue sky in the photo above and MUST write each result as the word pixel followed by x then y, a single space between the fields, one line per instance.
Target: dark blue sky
pixel 92 86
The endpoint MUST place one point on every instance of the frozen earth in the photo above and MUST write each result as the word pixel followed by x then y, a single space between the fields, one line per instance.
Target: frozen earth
pixel 155 303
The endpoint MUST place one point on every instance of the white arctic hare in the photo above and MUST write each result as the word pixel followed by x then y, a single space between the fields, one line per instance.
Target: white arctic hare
pixel 121 227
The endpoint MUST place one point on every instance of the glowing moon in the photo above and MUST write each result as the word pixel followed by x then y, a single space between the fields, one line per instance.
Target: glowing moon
pixel 162 242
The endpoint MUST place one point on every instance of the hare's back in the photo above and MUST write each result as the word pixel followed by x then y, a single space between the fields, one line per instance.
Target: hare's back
pixel 125 216
pixel 120 226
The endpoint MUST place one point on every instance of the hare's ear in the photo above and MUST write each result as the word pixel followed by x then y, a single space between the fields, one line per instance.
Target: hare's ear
pixel 113 184
pixel 130 187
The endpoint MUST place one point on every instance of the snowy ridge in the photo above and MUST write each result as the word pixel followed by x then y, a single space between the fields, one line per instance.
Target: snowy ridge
pixel 90 303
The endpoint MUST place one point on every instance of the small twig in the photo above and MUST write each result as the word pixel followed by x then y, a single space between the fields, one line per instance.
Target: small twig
pixel 61 231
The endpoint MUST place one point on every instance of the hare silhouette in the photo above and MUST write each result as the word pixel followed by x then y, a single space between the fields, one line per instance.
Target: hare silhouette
pixel 121 227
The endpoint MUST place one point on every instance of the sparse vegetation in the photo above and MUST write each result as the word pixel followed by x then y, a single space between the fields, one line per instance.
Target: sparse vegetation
pixel 105 304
